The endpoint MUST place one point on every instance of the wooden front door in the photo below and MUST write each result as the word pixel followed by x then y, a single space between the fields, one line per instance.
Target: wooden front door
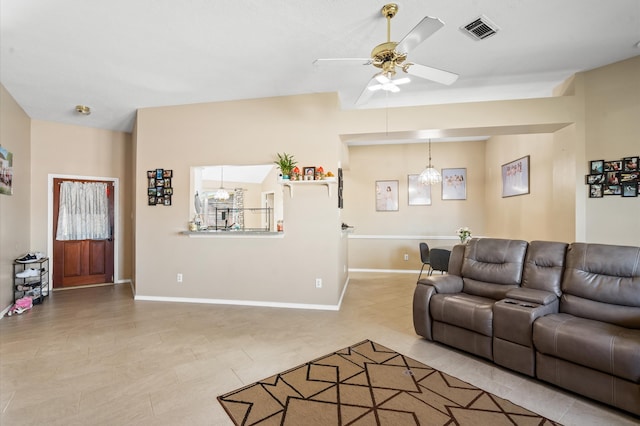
pixel 81 262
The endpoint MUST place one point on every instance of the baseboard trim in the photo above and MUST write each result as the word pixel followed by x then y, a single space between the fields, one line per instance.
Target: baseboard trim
pixel 240 302
pixel 344 290
pixel 5 311
pixel 392 271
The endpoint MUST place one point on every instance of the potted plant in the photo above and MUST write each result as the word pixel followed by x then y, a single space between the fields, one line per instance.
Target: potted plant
pixel 286 163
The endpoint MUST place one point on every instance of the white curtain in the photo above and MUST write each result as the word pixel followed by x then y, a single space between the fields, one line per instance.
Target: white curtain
pixel 84 211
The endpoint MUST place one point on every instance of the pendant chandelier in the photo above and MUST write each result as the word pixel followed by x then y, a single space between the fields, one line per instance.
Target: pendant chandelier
pixel 221 194
pixel 430 176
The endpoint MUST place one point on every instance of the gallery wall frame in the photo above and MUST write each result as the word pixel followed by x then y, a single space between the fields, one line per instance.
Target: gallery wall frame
pixel 454 184
pixel 386 195
pixel 614 177
pixel 419 194
pixel 515 177
pixel 159 187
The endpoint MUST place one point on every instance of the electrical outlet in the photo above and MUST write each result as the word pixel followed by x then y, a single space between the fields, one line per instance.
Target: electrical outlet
pixel 318 282
pixel 179 278
pixel 406 256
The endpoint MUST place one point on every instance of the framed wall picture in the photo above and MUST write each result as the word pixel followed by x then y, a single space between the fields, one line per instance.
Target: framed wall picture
pixel 595 190
pixel 454 184
pixel 596 167
pixel 419 193
pixel 309 173
pixel 515 177
pixel 6 172
pixel 630 164
pixel 611 190
pixel 630 189
pixel 613 166
pixel 595 179
pixel 386 195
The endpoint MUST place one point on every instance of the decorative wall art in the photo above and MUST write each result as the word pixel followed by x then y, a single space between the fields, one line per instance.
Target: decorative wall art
pixel 614 177
pixel 340 187
pixel 159 188
pixel 6 172
pixel 454 184
pixel 386 195
pixel 419 193
pixel 515 177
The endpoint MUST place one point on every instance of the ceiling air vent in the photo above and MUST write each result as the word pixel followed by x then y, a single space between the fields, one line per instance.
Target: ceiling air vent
pixel 480 28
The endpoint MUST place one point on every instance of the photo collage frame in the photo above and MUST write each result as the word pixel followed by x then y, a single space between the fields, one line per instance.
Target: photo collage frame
pixel 614 177
pixel 159 187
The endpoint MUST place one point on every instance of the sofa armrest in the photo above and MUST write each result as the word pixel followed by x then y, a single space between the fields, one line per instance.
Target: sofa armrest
pixel 426 288
pixel 443 283
pixel 530 295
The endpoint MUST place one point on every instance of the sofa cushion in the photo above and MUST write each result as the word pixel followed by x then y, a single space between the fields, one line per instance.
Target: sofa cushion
pixel 544 266
pixel 598 345
pixel 490 290
pixel 623 316
pixel 464 310
pixel 494 260
pixel 606 275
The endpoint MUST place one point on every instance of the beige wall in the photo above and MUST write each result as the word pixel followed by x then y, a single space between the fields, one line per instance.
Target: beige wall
pixel 63 149
pixel 547 212
pixel 15 210
pixel 380 239
pixel 262 270
pixel 612 129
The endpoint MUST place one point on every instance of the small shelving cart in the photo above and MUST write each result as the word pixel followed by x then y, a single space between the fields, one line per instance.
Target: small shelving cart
pixel 35 285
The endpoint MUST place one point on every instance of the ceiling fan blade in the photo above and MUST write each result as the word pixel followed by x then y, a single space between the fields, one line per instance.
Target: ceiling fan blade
pixel 430 73
pixel 419 33
pixel 363 61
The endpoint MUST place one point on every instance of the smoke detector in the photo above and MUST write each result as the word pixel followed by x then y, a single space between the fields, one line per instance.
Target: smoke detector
pixel 480 28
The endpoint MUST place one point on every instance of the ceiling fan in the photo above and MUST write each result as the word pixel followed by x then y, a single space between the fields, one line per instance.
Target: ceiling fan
pixel 391 55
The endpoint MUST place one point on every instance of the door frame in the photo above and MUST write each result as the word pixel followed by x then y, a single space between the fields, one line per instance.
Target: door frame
pixel 266 195
pixel 116 218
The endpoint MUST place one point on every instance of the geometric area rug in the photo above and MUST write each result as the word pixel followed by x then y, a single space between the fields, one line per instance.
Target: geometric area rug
pixel 369 384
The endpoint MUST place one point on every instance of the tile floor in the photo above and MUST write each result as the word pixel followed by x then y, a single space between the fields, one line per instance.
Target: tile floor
pixel 94 356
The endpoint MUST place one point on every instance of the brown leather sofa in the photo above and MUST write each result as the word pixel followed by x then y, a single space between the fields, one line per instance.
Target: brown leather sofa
pixel 565 314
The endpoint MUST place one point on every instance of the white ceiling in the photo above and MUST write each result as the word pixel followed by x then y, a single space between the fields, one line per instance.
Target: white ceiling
pixel 120 55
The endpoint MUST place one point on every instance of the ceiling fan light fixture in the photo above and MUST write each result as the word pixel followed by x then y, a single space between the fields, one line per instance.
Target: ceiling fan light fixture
pixel 390 87
pixel 387 84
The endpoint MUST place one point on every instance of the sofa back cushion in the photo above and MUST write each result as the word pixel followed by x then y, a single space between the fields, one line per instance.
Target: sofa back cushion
pixel 602 282
pixel 455 260
pixel 544 266
pixel 491 262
